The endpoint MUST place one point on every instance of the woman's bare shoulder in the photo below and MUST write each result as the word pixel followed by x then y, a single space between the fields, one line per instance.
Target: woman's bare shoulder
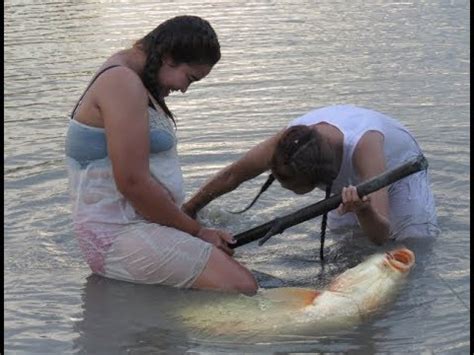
pixel 121 86
pixel 123 76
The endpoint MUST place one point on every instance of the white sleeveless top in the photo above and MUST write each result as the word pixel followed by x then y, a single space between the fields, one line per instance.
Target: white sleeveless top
pixel 412 204
pixel 353 122
pixel 94 194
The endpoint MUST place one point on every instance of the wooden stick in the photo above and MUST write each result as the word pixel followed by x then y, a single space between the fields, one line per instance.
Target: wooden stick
pixel 389 177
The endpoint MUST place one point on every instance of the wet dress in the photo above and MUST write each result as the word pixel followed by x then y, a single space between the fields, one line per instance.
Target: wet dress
pixel 115 240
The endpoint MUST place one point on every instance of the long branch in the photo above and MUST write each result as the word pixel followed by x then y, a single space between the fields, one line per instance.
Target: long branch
pixel 389 177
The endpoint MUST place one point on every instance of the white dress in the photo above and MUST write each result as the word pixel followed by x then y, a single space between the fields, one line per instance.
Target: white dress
pixel 118 242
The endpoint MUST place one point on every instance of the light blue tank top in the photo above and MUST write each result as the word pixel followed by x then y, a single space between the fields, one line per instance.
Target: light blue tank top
pixel 96 199
pixel 85 143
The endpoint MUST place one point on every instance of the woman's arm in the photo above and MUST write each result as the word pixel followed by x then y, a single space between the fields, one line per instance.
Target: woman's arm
pixel 122 100
pixel 373 210
pixel 253 163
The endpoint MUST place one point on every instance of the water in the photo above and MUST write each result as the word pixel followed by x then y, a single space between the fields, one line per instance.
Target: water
pixel 279 59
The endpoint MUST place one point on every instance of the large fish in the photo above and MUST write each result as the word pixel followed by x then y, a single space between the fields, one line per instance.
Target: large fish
pixel 348 300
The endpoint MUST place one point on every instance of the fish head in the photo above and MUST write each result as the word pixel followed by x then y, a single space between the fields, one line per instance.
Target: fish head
pixel 365 288
pixel 379 268
pixel 400 260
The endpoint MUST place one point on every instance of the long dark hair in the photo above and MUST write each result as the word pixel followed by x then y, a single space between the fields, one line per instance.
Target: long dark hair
pixel 302 153
pixel 186 39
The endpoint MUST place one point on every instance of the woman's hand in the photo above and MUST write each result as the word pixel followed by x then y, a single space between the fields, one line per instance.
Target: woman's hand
pixel 351 201
pixel 218 238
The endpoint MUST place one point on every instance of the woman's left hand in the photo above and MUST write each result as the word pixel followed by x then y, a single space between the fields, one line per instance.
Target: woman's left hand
pixel 219 238
pixel 351 202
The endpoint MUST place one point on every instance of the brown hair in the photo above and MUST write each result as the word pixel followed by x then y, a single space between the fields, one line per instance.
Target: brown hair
pixel 186 39
pixel 302 153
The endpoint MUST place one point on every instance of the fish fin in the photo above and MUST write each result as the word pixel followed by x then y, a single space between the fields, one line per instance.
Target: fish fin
pixel 296 297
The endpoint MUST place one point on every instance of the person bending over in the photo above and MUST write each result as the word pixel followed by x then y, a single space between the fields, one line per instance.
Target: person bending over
pixel 335 148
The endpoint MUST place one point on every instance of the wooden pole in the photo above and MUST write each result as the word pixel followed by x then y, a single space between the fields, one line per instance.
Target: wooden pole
pixel 278 225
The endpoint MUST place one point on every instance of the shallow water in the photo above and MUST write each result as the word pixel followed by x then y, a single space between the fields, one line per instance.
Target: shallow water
pixel 279 59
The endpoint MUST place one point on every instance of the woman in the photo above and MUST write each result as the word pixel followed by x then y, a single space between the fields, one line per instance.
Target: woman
pixel 335 148
pixel 125 180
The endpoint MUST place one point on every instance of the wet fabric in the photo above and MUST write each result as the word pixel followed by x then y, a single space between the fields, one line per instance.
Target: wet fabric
pixel 412 204
pixel 85 143
pixel 143 252
pixel 116 241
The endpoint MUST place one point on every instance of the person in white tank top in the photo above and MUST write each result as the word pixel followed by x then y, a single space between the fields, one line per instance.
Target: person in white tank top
pixel 335 148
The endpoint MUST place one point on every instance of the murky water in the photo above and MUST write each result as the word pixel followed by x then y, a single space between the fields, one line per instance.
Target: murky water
pixel 279 59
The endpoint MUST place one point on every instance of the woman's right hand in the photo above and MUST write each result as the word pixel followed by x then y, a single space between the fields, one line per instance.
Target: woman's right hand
pixel 351 202
pixel 218 238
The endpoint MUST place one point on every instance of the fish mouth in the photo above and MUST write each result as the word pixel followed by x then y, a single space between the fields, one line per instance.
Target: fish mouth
pixel 401 259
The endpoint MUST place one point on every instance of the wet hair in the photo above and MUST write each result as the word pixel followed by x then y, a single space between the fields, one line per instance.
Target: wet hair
pixel 186 39
pixel 302 153
pixel 264 187
pixel 324 221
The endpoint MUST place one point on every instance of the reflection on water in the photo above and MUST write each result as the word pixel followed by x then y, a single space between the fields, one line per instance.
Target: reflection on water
pixel 119 317
pixel 280 59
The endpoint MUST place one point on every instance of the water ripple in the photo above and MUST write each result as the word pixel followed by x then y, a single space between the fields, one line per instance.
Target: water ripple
pixel 279 59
